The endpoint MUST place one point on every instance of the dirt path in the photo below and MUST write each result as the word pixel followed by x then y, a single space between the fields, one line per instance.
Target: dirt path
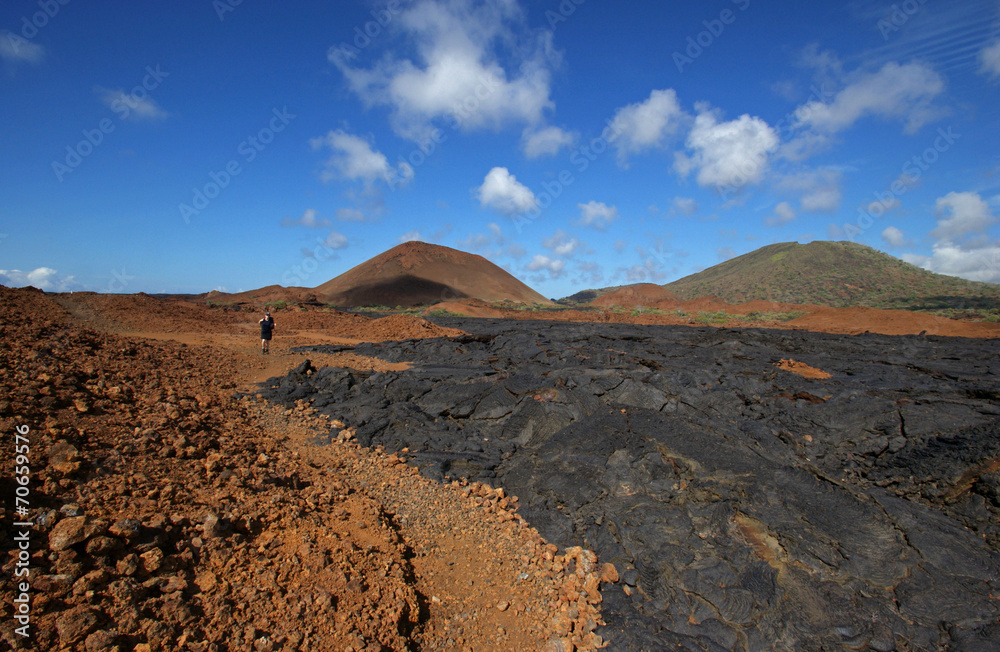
pixel 170 515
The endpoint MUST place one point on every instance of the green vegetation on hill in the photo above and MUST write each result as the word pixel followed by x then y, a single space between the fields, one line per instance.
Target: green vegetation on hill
pixel 836 274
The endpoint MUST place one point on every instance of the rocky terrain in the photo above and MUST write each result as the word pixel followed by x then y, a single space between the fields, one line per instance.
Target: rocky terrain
pixel 756 489
pixel 173 510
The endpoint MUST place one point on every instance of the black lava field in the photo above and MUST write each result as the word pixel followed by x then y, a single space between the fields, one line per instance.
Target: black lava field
pixel 746 507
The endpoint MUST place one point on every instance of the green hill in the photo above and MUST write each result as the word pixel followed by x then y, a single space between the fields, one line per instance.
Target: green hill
pixel 835 274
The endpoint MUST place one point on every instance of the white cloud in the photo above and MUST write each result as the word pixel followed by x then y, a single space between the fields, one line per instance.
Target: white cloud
pixel 309 219
pixel 783 214
pixel 820 189
pixel 961 213
pixel 131 107
pixel 335 240
pixel 354 159
pixel 554 266
pixel 727 155
pixel 43 278
pixel 896 91
pixel 975 264
pixel 962 247
pixel 645 125
pixel 597 214
pixel 895 238
pixel 546 141
pixel 16 49
pixel 684 206
pixel 502 192
pixel 561 244
pixel 989 59
pixel 457 71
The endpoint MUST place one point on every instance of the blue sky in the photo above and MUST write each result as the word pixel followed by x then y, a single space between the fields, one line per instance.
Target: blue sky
pixel 198 145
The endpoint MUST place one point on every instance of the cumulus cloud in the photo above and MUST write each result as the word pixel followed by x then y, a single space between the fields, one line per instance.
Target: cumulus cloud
pixel 783 214
pixel 546 141
pixel 561 243
pixel 554 266
pixel 597 214
pixel 727 155
pixel 502 192
pixel 335 240
pixel 906 92
pixel 43 278
pixel 647 124
pixel 819 189
pixel 974 263
pixel 960 214
pixel 354 159
pixel 895 238
pixel 962 246
pixel 310 219
pixel 15 49
pixel 989 59
pixel 411 236
pixel 474 64
pixel 131 107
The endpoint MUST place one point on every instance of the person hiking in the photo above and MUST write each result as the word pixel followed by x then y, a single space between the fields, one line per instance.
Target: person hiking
pixel 266 329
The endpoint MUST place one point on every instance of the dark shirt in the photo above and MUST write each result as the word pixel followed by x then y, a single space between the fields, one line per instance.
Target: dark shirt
pixel 266 326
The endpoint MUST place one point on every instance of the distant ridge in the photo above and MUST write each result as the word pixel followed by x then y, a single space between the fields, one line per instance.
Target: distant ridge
pixel 837 274
pixel 418 273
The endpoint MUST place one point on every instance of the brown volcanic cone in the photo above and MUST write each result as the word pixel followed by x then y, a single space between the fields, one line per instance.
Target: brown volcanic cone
pixel 417 273
pixel 646 295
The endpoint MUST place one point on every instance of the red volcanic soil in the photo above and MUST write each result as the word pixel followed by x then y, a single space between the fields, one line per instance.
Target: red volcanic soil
pixel 469 308
pixel 853 321
pixel 172 513
pixel 417 273
pixel 802 369
pixel 260 297
pixel 644 295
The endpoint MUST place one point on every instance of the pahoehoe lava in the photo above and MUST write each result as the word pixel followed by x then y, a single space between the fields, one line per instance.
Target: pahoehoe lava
pixel 747 508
